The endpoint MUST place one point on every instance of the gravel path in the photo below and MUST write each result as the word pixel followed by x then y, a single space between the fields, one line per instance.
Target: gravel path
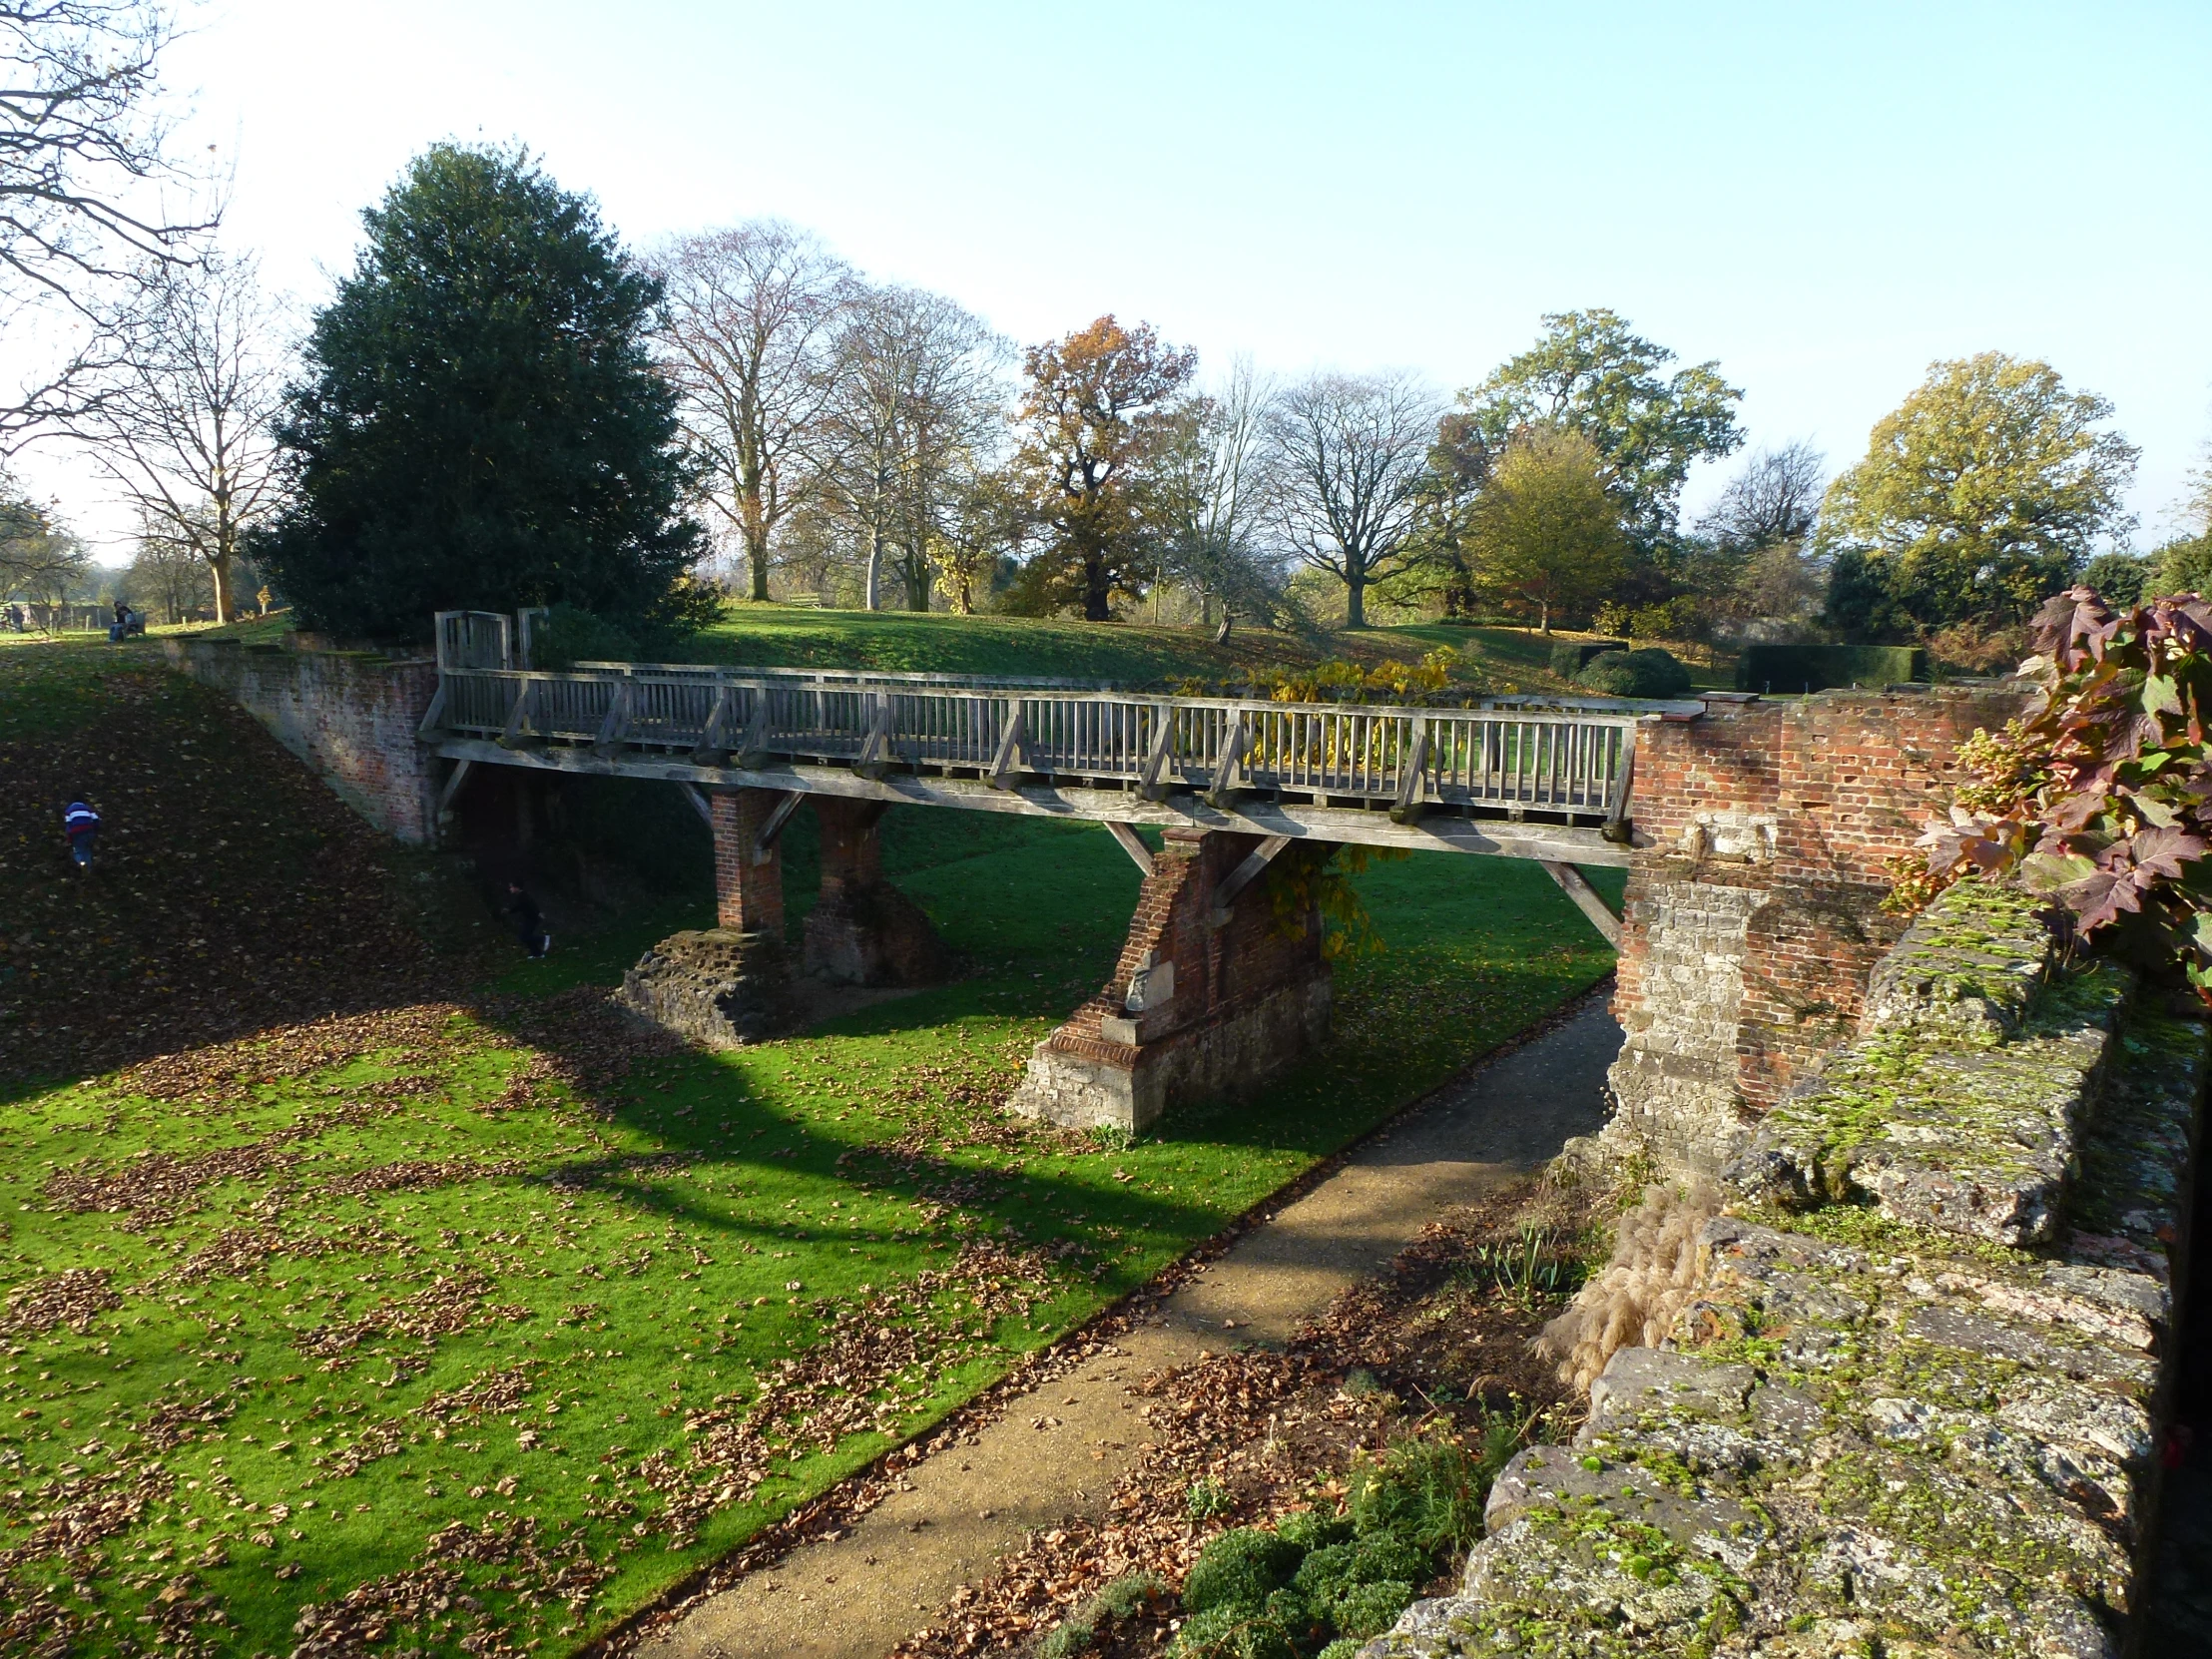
pixel 1057 1452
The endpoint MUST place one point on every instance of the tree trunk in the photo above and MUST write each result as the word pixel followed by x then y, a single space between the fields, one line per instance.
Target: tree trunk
pixel 221 566
pixel 875 599
pixel 1355 602
pixel 1097 590
pixel 756 555
pixel 1543 616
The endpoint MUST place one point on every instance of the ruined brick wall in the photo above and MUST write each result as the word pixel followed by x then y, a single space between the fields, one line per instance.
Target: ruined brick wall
pixel 351 716
pixel 1753 912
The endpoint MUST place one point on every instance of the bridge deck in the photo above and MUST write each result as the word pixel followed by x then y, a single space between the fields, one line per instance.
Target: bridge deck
pixel 1544 780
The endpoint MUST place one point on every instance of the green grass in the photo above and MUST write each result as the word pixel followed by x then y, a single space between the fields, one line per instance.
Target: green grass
pixel 635 1233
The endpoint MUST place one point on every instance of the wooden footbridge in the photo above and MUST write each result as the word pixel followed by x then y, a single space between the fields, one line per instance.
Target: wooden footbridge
pixel 1542 779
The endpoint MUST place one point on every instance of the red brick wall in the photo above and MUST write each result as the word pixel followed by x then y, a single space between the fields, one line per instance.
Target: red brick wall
pixel 351 717
pixel 1214 966
pixel 1801 803
pixel 748 896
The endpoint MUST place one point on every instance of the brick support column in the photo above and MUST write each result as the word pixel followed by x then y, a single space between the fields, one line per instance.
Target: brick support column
pixel 748 896
pixel 1201 1005
pixel 863 931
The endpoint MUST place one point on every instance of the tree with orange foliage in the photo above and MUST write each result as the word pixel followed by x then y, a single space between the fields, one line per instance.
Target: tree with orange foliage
pixel 1097 416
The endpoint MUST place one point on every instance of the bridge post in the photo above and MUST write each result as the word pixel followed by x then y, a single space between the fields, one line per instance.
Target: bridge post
pixel 748 880
pixel 1213 992
pixel 863 931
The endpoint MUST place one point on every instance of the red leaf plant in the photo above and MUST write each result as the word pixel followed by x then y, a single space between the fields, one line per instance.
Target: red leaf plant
pixel 2099 793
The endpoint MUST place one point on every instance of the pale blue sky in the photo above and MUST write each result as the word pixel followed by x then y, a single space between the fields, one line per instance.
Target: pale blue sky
pixel 1823 198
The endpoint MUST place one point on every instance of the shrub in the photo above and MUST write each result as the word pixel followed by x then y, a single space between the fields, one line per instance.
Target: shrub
pixel 1314 1528
pixel 1366 1610
pixel 1076 1635
pixel 1205 1499
pixel 568 634
pixel 1571 657
pixel 1428 1492
pixel 1126 1594
pixel 1647 672
pixel 1344 1648
pixel 1800 668
pixel 1241 1568
pixel 1232 1633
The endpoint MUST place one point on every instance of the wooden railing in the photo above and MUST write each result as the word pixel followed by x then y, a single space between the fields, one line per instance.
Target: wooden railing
pixel 1567 760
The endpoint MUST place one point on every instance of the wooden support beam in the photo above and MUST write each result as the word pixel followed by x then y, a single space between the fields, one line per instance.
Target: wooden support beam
pixel 616 726
pixel 698 803
pixel 1007 763
pixel 433 717
pixel 1222 789
pixel 518 733
pixel 1132 845
pixel 1586 899
pixel 453 781
pixel 753 747
pixel 875 747
pixel 1152 782
pixel 1244 874
pixel 1413 781
pixel 764 844
pixel 713 740
pixel 1618 827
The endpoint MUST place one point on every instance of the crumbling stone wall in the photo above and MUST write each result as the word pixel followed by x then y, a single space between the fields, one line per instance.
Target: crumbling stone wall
pixel 351 716
pixel 1201 1005
pixel 1753 912
pixel 1917 1402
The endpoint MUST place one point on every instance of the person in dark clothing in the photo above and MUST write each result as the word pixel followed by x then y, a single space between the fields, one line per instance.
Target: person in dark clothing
pixel 529 922
pixel 81 824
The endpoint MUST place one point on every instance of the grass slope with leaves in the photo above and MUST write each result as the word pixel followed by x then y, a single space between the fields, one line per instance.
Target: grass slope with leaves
pixel 471 1315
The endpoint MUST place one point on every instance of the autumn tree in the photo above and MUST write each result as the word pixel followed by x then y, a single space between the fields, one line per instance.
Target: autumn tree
pixel 481 424
pixel 1352 452
pixel 1980 496
pixel 1096 414
pixel 1547 530
pixel 40 560
pixel 181 423
pixel 1441 550
pixel 167 574
pixel 913 397
pixel 1592 375
pixel 748 330
pixel 983 519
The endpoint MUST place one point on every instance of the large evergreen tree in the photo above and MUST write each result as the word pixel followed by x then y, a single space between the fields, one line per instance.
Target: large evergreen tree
pixel 481 425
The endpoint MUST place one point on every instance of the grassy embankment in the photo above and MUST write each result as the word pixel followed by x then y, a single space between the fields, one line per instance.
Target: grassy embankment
pixel 479 1296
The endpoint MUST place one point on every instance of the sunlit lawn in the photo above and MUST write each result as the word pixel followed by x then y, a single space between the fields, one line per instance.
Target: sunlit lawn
pixel 430 1315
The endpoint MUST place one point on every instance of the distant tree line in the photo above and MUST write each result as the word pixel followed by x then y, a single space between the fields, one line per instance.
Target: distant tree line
pixel 502 405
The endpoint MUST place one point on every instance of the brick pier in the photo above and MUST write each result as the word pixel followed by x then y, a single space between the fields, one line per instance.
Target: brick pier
pixel 1203 1003
pixel 1754 906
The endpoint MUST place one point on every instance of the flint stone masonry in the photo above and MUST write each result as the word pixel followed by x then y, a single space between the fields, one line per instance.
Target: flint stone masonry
pixel 1877 1429
pixel 720 988
pixel 351 716
pixel 1202 1005
pixel 1753 912
pixel 863 931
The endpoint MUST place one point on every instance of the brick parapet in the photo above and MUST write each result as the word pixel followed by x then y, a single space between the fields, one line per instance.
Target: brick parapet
pixel 351 717
pixel 1794 808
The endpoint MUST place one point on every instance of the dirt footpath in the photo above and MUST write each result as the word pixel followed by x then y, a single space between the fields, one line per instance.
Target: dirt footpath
pixel 1056 1452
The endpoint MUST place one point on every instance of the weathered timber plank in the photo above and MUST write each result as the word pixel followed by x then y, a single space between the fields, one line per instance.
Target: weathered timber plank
pixel 1139 853
pixel 1586 899
pixel 1440 831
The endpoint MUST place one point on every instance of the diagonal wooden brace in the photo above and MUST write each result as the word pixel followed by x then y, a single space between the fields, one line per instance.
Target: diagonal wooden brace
pixel 875 747
pixel 1229 770
pixel 698 805
pixel 764 844
pixel 1413 781
pixel 1131 844
pixel 1152 782
pixel 1586 899
pixel 1010 762
pixel 518 733
pixel 616 726
pixel 1254 862
pixel 713 740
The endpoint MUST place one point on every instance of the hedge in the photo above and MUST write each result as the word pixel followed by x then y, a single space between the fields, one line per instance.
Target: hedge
pixel 1800 668
pixel 1649 672
pixel 1571 657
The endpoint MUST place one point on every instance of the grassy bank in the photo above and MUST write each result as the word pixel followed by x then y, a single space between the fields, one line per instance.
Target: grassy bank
pixel 480 1314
